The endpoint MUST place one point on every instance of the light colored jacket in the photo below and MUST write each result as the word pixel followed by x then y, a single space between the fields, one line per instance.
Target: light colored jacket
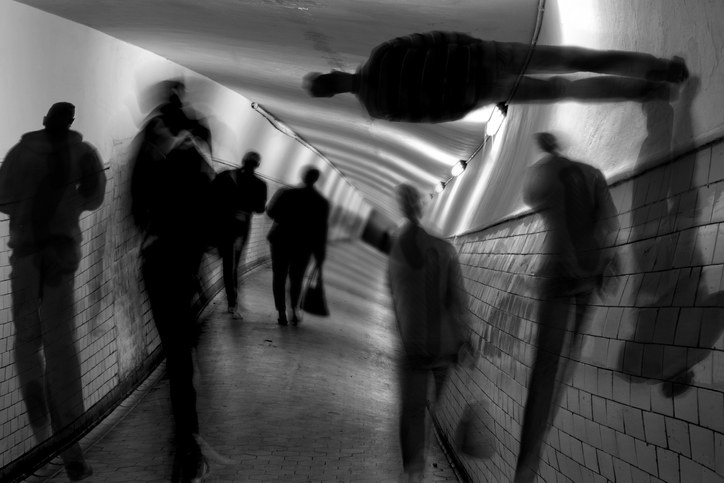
pixel 428 296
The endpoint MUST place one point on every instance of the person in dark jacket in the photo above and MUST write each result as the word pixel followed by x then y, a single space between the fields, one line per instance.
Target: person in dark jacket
pixel 170 189
pixel 574 200
pixel 299 231
pixel 239 193
pixel 442 76
pixel 46 181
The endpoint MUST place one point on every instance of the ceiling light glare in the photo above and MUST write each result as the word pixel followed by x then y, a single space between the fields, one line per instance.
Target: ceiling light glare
pixel 496 119
pixel 458 168
pixel 439 187
pixel 480 115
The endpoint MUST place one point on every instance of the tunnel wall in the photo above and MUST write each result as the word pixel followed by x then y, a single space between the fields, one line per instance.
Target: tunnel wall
pixel 661 314
pixel 612 136
pixel 47 59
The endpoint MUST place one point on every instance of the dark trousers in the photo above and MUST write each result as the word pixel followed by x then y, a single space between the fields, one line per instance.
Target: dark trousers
pixel 292 262
pixel 42 286
pixel 169 272
pixel 231 247
pixel 414 385
pixel 544 389
pixel 627 75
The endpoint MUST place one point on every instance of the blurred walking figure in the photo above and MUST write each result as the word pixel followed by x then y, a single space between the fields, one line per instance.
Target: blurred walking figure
pixel 170 189
pixel 46 181
pixel 574 201
pixel 239 193
pixel 442 76
pixel 430 306
pixel 299 231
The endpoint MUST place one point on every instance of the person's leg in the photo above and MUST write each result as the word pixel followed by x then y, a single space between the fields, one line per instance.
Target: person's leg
pixel 564 59
pixel 226 251
pixel 64 387
pixel 238 249
pixel 280 269
pixel 168 277
pixel 297 268
pixel 233 292
pixel 25 294
pixel 440 374
pixel 511 59
pixel 599 88
pixel 413 394
pixel 552 319
pixel 632 75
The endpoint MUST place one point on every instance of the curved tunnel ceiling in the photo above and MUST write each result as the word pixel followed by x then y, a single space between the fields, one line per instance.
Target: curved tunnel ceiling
pixel 263 48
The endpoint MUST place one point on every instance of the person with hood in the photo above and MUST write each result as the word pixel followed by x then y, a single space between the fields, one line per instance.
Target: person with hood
pixel 430 306
pixel 46 181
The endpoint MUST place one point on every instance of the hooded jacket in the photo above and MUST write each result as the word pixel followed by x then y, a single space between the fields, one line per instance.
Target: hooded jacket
pixel 46 181
pixel 428 296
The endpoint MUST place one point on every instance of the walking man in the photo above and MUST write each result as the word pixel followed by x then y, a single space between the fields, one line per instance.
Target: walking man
pixel 442 76
pixel 299 231
pixel 46 181
pixel 170 189
pixel 574 201
pixel 430 307
pixel 239 193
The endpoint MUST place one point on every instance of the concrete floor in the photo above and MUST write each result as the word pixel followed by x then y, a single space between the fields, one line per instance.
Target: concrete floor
pixel 317 402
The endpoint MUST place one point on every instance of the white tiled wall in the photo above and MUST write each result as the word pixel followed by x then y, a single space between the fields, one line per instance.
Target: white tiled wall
pixel 614 422
pixel 115 332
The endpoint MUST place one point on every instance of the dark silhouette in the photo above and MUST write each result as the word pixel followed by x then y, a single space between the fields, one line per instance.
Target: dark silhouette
pixel 442 76
pixel 299 231
pixel 662 310
pixel 46 181
pixel 238 193
pixel 574 201
pixel 170 188
pixel 430 307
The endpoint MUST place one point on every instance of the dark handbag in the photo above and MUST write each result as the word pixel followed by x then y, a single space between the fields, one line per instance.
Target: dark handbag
pixel 315 302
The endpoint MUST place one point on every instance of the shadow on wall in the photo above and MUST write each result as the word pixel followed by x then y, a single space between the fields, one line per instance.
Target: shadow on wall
pixel 678 318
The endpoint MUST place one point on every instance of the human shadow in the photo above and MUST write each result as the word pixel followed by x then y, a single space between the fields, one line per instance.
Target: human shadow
pixel 670 336
pixel 575 203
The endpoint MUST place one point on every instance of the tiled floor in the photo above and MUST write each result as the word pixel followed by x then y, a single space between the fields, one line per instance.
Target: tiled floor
pixel 317 402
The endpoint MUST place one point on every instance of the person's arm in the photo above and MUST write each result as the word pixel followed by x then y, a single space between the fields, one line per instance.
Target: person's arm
pixel 10 186
pixel 606 213
pixel 320 251
pixel 260 201
pixel 276 205
pixel 92 186
pixel 458 306
pixel 606 229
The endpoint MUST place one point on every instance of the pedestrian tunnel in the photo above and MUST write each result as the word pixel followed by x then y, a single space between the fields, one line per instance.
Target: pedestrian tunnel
pixel 624 384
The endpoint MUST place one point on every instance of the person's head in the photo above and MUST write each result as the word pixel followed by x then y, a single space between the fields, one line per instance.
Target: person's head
pixel 176 92
pixel 310 176
pixel 60 116
pixel 410 201
pixel 327 85
pixel 251 160
pixel 547 142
